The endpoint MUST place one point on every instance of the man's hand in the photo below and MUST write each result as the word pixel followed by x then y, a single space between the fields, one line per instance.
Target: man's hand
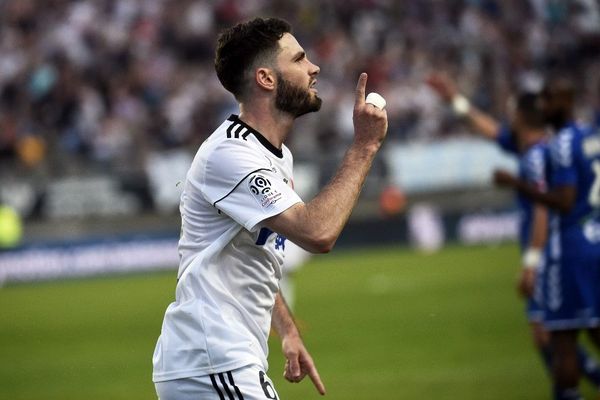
pixel 370 122
pixel 526 283
pixel 299 363
pixel 443 86
pixel 505 179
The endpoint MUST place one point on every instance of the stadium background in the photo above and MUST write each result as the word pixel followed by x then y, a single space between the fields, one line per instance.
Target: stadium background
pixel 103 103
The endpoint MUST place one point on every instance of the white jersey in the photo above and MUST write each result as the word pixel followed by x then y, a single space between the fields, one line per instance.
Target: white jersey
pixel 230 265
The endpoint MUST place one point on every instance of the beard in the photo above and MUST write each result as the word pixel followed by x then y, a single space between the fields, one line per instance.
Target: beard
pixel 295 100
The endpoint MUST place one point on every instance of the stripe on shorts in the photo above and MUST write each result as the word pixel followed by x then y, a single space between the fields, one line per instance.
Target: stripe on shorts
pixel 214 383
pixel 222 379
pixel 226 389
pixel 237 390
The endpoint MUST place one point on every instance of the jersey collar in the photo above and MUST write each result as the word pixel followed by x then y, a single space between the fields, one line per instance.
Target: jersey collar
pixel 268 145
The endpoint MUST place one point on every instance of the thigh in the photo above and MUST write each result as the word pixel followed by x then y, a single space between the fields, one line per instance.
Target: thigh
pixel 246 383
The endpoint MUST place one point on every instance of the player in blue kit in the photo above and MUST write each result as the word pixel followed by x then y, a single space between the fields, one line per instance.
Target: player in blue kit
pixel 526 138
pixel 572 287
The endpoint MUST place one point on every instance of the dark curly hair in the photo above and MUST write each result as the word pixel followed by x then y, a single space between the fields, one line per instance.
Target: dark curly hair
pixel 240 47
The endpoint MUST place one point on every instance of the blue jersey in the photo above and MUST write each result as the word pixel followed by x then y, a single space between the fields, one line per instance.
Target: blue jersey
pixel 575 154
pixel 571 290
pixel 533 168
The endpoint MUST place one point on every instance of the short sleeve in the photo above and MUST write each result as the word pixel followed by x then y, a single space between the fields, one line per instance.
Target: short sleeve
pixel 506 139
pixel 263 194
pixel 240 182
pixel 562 152
pixel 535 167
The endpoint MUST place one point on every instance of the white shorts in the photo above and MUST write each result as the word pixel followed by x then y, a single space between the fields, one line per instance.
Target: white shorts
pixel 246 383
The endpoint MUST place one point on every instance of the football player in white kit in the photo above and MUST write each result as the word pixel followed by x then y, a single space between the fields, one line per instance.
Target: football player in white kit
pixel 238 208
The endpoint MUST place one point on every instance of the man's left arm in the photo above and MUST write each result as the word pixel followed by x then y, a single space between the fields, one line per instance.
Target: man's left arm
pixel 298 362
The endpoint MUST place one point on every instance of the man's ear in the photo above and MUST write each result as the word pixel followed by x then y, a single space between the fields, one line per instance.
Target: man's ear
pixel 265 79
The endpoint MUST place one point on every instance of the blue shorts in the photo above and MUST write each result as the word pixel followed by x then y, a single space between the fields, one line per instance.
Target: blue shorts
pixel 571 282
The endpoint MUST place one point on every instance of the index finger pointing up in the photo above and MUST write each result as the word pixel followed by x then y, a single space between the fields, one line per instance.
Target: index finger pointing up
pixel 360 89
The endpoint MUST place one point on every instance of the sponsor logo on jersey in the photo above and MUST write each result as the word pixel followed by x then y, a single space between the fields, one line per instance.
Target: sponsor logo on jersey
pixel 262 190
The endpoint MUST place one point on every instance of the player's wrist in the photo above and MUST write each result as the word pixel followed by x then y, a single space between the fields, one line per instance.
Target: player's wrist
pixel 365 147
pixel 531 258
pixel 460 105
pixel 290 338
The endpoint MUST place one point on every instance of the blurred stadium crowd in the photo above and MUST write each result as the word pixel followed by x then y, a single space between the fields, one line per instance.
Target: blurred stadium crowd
pixel 105 85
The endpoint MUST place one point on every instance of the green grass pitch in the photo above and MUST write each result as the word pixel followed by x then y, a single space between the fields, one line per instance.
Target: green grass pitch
pixel 381 323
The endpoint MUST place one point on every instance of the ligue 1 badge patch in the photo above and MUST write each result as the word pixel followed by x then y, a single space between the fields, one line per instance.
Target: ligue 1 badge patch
pixel 262 190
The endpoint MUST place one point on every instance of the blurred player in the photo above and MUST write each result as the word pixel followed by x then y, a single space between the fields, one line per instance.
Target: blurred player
pixel 525 137
pixel 295 258
pixel 238 208
pixel 572 290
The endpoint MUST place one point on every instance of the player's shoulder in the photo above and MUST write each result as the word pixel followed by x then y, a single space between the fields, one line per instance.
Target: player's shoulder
pixel 569 133
pixel 226 158
pixel 505 138
pixel 564 144
pixel 539 148
pixel 536 158
pixel 591 142
pixel 537 153
pixel 232 144
pixel 286 153
pixel 232 133
pixel 591 130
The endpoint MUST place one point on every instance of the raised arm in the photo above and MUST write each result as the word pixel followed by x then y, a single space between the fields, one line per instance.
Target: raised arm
pixel 316 225
pixel 484 124
pixel 298 362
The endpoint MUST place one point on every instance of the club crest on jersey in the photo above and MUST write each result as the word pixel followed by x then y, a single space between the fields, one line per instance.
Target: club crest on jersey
pixel 262 190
